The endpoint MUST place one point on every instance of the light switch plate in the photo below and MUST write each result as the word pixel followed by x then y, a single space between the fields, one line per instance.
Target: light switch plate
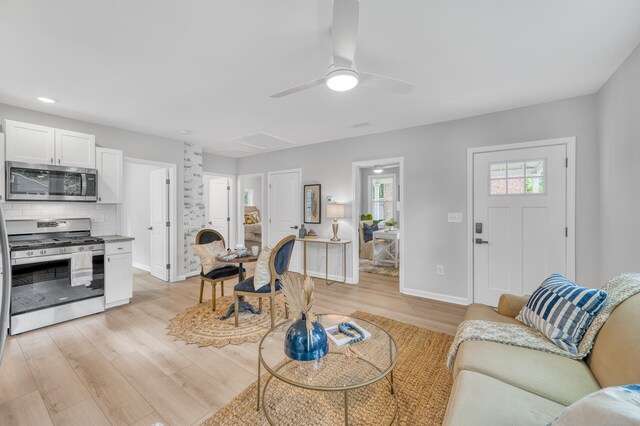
pixel 455 217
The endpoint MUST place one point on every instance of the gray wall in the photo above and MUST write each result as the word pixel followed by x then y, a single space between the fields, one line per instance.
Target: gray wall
pixel 619 138
pixel 133 144
pixel 435 183
pixel 213 163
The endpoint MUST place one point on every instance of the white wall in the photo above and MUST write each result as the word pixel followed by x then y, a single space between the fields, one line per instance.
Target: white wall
pixel 619 154
pixel 435 184
pixel 136 212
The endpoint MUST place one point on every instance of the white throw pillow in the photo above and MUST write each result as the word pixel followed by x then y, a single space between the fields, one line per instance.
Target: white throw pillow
pixel 262 275
pixel 619 405
pixel 208 255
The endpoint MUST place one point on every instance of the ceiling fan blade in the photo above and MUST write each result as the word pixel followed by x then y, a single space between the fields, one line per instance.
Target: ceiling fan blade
pixel 299 88
pixel 388 84
pixel 344 32
pixel 325 12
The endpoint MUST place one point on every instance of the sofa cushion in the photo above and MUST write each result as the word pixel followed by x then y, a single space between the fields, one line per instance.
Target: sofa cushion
pixel 477 400
pixel 553 377
pixel 368 231
pixel 614 359
pixel 618 405
pixel 562 311
pixel 478 311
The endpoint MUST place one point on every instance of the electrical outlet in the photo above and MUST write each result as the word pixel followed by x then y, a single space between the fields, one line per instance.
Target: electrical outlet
pixel 455 217
pixel 440 269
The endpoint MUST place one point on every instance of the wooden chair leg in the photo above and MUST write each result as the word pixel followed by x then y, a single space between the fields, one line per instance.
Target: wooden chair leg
pixel 235 312
pixel 273 312
pixel 286 311
pixel 201 289
pixel 222 289
pixel 259 305
pixel 213 297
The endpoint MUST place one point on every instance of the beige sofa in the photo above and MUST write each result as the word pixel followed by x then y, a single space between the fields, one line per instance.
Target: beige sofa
pixel 497 384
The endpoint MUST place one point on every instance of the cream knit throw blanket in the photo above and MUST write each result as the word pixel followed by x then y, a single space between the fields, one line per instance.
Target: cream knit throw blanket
pixel 618 290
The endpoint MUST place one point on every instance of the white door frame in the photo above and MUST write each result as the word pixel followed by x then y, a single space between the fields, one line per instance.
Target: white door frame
pixel 232 205
pixel 240 209
pixel 173 212
pixel 277 172
pixel 570 143
pixel 355 218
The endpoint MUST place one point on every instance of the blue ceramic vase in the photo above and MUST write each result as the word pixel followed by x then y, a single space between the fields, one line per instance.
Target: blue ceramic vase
pixel 303 346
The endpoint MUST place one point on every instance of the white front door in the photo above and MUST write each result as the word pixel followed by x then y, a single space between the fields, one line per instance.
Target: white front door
pixel 519 223
pixel 285 209
pixel 218 206
pixel 159 231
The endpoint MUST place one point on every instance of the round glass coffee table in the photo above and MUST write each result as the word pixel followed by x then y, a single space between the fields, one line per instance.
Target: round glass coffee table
pixel 347 369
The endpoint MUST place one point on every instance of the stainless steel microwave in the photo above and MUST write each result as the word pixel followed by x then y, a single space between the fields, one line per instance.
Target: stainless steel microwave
pixel 40 182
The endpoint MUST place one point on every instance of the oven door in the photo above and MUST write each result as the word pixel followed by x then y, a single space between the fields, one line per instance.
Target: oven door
pixel 42 283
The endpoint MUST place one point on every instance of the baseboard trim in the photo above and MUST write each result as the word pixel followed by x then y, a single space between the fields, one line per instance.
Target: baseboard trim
pixel 436 296
pixel 141 266
pixel 191 274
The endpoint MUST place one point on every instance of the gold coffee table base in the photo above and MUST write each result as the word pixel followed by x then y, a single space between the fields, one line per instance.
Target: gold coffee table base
pixel 388 377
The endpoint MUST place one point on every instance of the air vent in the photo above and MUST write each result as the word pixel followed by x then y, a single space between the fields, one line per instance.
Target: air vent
pixel 362 124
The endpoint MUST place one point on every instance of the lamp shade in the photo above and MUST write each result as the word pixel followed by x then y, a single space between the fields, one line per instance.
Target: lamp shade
pixel 335 211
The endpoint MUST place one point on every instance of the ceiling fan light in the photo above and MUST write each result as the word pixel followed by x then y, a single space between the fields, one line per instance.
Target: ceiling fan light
pixel 378 169
pixel 342 80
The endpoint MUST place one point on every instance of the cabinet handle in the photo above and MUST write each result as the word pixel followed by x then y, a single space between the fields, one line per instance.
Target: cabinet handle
pixel 99 198
pixel 58 161
pixel 108 259
pixel 52 161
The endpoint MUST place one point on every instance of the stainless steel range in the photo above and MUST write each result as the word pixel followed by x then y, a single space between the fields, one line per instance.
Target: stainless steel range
pixel 42 289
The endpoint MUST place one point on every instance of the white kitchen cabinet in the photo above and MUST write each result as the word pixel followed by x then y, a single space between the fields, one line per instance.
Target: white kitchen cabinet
pixel 74 149
pixel 118 278
pixel 3 177
pixel 109 163
pixel 29 143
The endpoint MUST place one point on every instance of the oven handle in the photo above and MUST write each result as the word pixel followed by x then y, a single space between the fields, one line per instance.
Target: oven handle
pixel 84 184
pixel 40 259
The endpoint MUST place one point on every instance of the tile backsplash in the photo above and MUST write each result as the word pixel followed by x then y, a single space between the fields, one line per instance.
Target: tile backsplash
pixel 103 216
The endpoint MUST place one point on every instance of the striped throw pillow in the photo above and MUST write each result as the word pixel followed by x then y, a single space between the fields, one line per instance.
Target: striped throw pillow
pixel 562 311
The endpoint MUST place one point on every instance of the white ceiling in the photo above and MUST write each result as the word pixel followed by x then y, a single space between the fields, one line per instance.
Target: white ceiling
pixel 210 66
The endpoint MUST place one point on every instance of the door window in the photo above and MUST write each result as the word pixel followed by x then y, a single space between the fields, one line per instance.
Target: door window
pixel 517 177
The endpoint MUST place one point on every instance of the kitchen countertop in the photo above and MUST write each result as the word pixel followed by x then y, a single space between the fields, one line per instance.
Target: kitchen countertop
pixel 115 238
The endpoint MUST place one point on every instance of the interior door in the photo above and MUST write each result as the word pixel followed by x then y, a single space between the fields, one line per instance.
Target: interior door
pixel 218 206
pixel 285 210
pixel 520 210
pixel 159 217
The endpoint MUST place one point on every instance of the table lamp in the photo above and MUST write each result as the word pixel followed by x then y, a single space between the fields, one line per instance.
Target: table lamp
pixel 335 212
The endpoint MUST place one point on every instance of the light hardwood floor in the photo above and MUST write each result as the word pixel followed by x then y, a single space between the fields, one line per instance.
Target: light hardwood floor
pixel 120 367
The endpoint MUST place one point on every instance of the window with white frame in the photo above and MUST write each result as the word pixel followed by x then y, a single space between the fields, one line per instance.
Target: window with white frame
pixel 382 197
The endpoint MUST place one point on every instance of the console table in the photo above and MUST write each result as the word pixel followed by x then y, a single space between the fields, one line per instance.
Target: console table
pixel 326 242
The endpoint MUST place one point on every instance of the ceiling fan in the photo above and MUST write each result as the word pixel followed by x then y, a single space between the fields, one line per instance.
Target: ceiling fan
pixel 342 74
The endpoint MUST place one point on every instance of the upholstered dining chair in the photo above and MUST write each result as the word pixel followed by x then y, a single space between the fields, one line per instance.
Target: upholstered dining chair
pixel 220 275
pixel 278 266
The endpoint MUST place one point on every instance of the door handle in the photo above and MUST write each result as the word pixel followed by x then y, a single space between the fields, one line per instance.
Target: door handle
pixel 150 228
pixel 481 241
pixel 294 227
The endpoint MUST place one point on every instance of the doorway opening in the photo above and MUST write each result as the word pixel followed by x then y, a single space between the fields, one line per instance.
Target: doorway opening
pixel 251 211
pixel 219 205
pixel 377 218
pixel 148 215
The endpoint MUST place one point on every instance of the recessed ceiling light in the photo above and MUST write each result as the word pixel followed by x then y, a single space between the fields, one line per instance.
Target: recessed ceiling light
pixel 47 100
pixel 184 132
pixel 342 80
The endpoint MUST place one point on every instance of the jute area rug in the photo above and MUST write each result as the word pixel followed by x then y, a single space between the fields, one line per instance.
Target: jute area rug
pixel 370 267
pixel 199 325
pixel 423 385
